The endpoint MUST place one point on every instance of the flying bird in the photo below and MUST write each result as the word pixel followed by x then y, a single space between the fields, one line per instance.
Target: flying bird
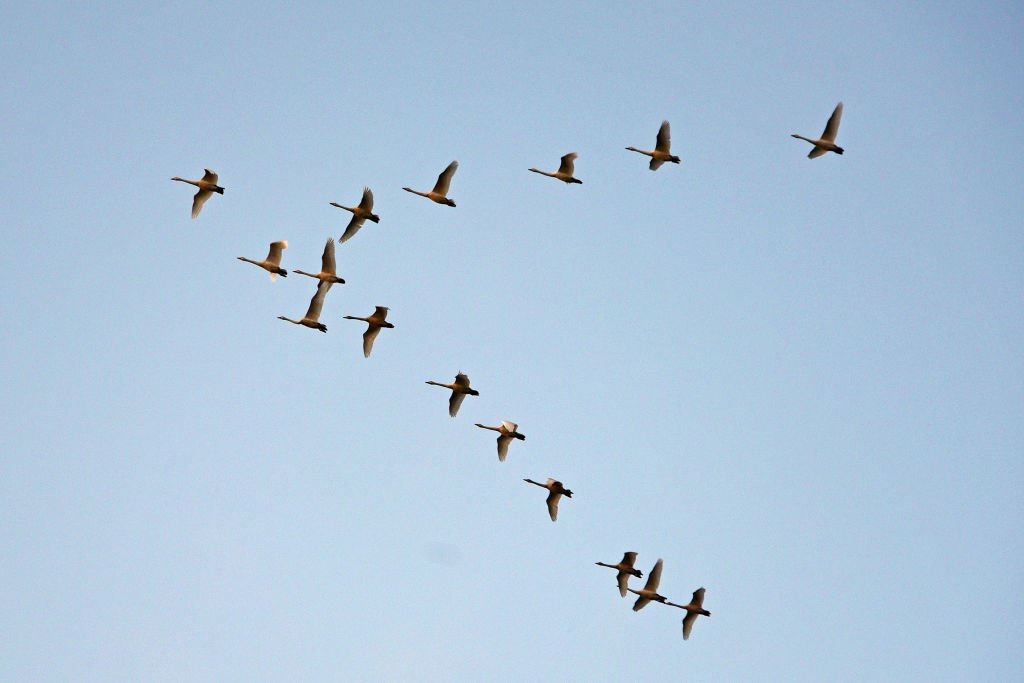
pixel 316 304
pixel 555 493
pixel 360 214
pixel 374 324
pixel 506 432
pixel 565 170
pixel 827 141
pixel 440 192
pixel 662 151
pixel 459 391
pixel 625 570
pixel 328 268
pixel 695 608
pixel 207 186
pixel 272 264
pixel 650 590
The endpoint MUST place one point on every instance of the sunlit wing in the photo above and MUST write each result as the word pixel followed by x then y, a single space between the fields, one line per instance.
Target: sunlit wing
pixel 654 578
pixel 656 164
pixel 353 228
pixel 832 127
pixel 371 333
pixel 566 166
pixel 623 578
pixel 664 143
pixel 209 176
pixel 629 559
pixel 553 499
pixel 698 598
pixel 454 402
pixel 503 442
pixel 316 304
pixel 199 200
pixel 816 152
pixel 640 603
pixel 510 426
pixel 688 624
pixel 380 312
pixel 444 180
pixel 461 380
pixel 276 248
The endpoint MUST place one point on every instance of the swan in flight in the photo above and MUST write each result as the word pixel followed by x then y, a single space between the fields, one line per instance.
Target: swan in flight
pixel 374 324
pixel 272 264
pixel 207 186
pixel 565 170
pixel 827 141
pixel 316 304
pixel 328 269
pixel 650 590
pixel 506 432
pixel 662 151
pixel 459 391
pixel 695 608
pixel 625 569
pixel 555 493
pixel 440 192
pixel 360 214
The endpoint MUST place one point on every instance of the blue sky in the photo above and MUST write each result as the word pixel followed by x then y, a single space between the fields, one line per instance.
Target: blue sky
pixel 798 382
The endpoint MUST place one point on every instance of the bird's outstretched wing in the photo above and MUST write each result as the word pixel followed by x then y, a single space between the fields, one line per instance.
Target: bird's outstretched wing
pixel 664 143
pixel 199 200
pixel 567 166
pixel 832 127
pixel 444 180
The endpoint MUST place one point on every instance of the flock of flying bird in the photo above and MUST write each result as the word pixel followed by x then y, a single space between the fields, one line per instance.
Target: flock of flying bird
pixel 460 388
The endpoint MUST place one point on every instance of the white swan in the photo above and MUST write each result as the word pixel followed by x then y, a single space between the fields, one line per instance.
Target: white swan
pixel 328 268
pixel 316 304
pixel 506 432
pixel 662 151
pixel 459 391
pixel 625 570
pixel 827 141
pixel 693 609
pixel 555 493
pixel 650 590
pixel 360 214
pixel 272 264
pixel 374 324
pixel 440 192
pixel 565 170
pixel 207 186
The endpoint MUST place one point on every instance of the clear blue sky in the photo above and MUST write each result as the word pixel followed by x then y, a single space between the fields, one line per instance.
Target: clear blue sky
pixel 801 383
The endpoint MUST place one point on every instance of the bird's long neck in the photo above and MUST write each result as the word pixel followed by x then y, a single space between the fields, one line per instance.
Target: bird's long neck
pixel 302 272
pixel 641 151
pixel 801 137
pixel 185 180
pixel 612 566
pixel 438 384
pixel 535 483
pixel 551 175
pixel 247 260
pixel 352 317
pixel 422 194
pixel 296 322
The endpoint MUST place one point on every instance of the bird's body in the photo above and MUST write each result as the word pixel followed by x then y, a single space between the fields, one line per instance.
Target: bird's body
pixel 694 609
pixel 827 142
pixel 625 570
pixel 440 192
pixel 650 590
pixel 565 170
pixel 555 492
pixel 662 151
pixel 316 304
pixel 272 264
pixel 506 432
pixel 328 266
pixel 460 389
pixel 207 186
pixel 374 322
pixel 360 214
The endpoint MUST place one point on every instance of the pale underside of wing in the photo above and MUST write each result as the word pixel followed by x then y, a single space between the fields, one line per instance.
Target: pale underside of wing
pixel 454 402
pixel 832 127
pixel 209 176
pixel 444 180
pixel 640 603
pixel 199 200
pixel 623 579
pixel 553 499
pixel 366 202
pixel 664 143
pixel 656 164
pixel 316 304
pixel 698 598
pixel 503 441
pixel 461 380
pixel 816 152
pixel 629 558
pixel 371 333
pixel 567 166
pixel 688 624
pixel 352 228
pixel 276 249
pixel 380 312
pixel 654 578
pixel 509 426
pixel 328 264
